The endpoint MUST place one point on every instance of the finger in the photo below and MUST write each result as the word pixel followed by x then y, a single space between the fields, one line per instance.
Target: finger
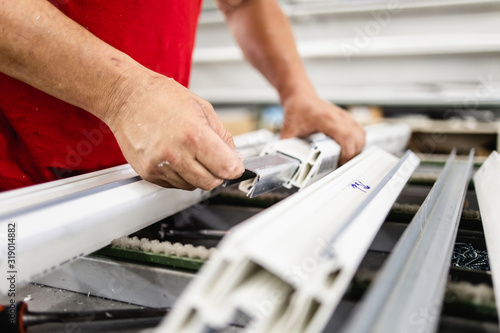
pixel 217 157
pixel 361 139
pixel 159 182
pixel 197 175
pixel 287 132
pixel 170 176
pixel 344 137
pixel 288 129
pixel 348 152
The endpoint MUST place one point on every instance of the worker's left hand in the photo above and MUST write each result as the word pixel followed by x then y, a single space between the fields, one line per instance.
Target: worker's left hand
pixel 307 113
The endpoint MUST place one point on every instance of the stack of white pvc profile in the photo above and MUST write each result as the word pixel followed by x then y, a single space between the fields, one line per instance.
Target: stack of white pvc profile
pixel 487 184
pixel 288 267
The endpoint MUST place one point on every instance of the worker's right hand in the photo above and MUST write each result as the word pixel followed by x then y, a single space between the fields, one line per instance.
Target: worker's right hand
pixel 171 136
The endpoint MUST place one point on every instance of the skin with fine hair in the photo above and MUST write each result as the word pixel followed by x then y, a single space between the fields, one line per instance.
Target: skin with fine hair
pixel 179 130
pixel 265 36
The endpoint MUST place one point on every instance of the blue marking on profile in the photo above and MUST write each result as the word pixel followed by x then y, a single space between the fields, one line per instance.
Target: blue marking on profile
pixel 360 186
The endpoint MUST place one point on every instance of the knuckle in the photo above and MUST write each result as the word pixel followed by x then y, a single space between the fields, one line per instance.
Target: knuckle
pixel 207 105
pixel 193 103
pixel 330 117
pixel 169 157
pixel 229 170
pixel 191 138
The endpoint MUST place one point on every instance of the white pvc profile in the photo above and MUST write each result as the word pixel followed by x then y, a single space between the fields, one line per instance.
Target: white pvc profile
pixel 48 236
pixel 277 267
pixel 59 221
pixel 42 194
pixel 487 184
pixel 407 294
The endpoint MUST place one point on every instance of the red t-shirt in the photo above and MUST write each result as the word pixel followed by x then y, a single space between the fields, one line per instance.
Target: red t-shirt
pixel 43 138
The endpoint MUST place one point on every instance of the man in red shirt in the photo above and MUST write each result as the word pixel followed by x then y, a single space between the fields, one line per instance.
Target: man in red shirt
pixel 92 84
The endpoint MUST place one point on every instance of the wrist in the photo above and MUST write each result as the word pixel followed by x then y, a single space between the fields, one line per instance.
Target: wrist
pixel 296 88
pixel 119 87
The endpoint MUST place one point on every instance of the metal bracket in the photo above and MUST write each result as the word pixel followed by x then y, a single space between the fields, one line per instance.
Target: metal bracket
pixel 301 162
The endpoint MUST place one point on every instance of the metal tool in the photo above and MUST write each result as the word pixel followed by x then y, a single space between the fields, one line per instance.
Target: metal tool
pixel 16 318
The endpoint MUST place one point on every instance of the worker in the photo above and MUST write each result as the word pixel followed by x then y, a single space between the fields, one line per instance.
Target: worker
pixel 90 84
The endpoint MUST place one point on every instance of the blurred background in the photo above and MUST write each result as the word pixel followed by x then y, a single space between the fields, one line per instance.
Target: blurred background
pixel 434 64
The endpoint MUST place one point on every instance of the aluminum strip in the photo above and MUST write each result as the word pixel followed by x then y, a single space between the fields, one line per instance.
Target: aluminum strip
pixel 487 184
pixel 271 172
pixel 407 294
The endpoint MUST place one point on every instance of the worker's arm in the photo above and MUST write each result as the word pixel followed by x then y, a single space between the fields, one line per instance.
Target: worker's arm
pixel 167 133
pixel 265 36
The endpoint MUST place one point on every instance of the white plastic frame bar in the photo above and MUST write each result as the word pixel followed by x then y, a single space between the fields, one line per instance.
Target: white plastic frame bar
pixel 487 184
pixel 50 235
pixel 32 196
pixel 272 267
pixel 59 221
pixel 407 294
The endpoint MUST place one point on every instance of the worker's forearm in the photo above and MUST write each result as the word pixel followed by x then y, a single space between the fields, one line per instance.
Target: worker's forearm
pixel 42 47
pixel 265 36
